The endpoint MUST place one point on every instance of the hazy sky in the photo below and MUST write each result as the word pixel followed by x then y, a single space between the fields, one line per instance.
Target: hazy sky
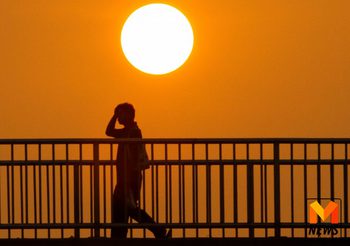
pixel 276 68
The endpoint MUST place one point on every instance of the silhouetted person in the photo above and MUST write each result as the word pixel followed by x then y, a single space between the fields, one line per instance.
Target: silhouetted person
pixel 126 194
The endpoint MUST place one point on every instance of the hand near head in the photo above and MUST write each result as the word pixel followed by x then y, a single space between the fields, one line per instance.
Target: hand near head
pixel 125 114
pixel 117 111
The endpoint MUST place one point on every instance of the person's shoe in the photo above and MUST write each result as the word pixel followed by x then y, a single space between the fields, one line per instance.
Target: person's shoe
pixel 165 234
pixel 169 234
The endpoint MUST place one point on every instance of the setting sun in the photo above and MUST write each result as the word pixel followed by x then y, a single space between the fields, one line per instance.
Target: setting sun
pixel 157 39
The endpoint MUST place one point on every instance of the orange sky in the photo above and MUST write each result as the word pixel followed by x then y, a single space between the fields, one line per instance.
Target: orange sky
pixel 258 69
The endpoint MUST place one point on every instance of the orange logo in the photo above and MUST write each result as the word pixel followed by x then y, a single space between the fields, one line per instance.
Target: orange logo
pixel 330 210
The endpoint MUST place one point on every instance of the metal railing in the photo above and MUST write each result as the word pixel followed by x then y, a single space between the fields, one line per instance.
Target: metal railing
pixel 60 188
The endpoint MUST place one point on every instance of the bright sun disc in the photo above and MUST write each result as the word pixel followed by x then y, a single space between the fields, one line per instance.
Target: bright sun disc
pixel 157 39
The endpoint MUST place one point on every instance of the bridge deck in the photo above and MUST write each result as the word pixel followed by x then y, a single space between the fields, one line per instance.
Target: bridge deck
pixel 178 241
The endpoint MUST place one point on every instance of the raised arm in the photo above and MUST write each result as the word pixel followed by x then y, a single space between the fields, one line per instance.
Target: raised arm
pixel 111 131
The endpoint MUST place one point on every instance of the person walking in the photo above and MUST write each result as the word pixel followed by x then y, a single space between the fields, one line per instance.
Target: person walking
pixel 131 160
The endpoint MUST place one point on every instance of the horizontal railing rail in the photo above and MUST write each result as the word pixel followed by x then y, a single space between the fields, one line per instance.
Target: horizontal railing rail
pixel 241 187
pixel 175 140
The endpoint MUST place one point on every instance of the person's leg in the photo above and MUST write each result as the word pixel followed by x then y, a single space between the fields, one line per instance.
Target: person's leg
pixel 140 215
pixel 118 214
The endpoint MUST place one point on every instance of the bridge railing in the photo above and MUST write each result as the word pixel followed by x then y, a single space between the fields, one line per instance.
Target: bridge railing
pixel 61 188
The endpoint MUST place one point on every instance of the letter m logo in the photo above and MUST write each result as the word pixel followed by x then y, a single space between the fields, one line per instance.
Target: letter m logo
pixel 330 210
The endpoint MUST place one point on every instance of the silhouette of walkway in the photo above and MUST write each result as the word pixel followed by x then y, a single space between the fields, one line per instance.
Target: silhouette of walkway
pixel 179 241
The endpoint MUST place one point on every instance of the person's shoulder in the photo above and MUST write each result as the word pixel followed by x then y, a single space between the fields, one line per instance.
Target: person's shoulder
pixel 135 131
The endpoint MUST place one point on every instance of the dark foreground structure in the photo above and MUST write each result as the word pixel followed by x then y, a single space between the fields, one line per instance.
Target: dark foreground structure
pixel 207 191
pixel 177 242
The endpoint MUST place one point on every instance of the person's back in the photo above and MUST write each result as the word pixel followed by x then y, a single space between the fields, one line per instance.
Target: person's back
pixel 127 153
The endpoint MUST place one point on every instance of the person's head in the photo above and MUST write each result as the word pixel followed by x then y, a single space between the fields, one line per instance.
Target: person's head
pixel 126 113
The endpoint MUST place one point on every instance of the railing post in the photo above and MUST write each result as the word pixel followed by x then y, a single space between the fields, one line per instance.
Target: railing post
pixel 222 188
pixel 96 183
pixel 276 171
pixel 77 211
pixel 250 195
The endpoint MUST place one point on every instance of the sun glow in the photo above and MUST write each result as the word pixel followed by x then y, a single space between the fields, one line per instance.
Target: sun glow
pixel 157 39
